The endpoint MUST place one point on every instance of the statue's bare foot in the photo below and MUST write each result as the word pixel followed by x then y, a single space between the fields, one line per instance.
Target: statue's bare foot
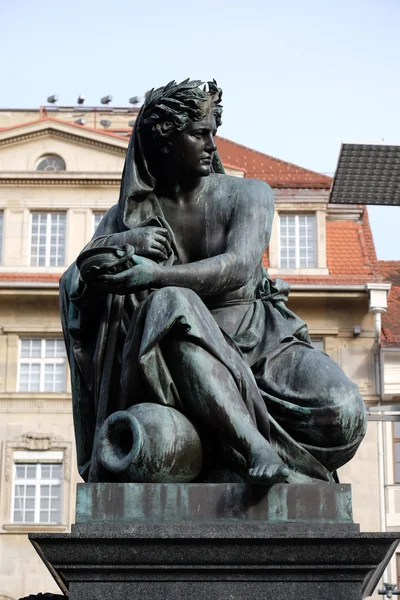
pixel 268 474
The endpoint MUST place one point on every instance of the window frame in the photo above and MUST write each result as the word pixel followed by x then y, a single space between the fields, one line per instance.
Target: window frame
pixel 46 156
pixel 48 239
pixel 37 441
pixel 1 234
pixel 297 216
pixel 96 213
pixel 42 360
pixel 319 340
pixel 37 459
pixel 395 440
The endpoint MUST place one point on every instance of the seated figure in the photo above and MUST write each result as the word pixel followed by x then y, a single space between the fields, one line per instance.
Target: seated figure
pixel 171 322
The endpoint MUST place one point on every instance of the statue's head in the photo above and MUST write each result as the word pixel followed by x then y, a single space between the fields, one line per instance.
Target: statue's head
pixel 178 125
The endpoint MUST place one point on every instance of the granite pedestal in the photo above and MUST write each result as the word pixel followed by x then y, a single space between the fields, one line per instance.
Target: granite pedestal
pixel 215 541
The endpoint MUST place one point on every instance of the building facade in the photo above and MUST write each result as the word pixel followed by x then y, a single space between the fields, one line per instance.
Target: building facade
pixel 389 418
pixel 57 178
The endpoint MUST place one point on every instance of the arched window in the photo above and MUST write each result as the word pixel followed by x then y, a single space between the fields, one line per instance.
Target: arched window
pixel 50 162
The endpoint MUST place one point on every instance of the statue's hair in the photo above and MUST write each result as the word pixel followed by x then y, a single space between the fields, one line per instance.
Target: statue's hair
pixel 169 109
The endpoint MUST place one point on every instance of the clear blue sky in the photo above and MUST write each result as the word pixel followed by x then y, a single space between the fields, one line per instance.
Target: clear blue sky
pixel 299 76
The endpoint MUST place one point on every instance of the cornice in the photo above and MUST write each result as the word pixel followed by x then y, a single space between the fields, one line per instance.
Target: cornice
pixel 39 441
pixel 344 213
pixel 53 132
pixel 57 181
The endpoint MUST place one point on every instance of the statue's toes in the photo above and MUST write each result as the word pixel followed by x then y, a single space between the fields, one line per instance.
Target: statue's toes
pixel 268 474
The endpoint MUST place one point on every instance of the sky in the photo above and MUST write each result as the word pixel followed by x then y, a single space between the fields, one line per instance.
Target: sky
pixel 300 77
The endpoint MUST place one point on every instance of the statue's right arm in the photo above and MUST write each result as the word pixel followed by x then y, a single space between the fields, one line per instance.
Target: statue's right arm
pixel 151 242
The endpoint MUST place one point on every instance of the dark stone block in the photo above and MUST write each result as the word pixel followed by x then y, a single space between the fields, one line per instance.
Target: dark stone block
pixel 46 596
pixel 225 561
pixel 231 558
pixel 222 590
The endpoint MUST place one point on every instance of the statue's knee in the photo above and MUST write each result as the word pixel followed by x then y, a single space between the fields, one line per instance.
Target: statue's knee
pixel 351 415
pixel 174 293
pixel 166 292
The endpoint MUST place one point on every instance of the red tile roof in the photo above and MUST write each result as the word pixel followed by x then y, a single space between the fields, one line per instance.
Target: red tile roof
pixel 278 173
pixel 350 249
pixel 390 269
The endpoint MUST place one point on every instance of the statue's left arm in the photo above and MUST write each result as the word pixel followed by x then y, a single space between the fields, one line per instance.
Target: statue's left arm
pixel 248 234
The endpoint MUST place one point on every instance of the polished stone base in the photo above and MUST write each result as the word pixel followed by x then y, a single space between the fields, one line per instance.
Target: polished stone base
pixel 221 555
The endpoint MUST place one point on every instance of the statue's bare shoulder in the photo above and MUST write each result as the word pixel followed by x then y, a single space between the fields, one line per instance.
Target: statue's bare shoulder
pixel 242 194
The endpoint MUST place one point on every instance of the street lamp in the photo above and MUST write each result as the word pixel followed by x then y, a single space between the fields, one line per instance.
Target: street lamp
pixel 389 591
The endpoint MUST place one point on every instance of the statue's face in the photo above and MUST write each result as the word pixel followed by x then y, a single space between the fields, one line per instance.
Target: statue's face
pixel 193 148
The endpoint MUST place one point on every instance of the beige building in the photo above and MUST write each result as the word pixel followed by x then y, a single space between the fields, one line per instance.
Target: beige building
pixel 57 178
pixel 390 424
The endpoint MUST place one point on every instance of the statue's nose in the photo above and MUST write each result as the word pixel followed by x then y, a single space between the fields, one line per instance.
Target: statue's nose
pixel 210 146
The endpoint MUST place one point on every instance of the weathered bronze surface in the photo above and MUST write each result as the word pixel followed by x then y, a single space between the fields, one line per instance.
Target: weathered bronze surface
pixel 169 305
pixel 133 503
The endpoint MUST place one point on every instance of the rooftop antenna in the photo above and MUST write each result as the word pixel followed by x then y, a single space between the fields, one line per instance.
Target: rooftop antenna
pixel 106 99
pixel 52 99
pixel 81 99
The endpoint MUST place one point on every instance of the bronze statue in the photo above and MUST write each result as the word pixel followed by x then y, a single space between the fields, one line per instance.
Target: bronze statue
pixel 186 364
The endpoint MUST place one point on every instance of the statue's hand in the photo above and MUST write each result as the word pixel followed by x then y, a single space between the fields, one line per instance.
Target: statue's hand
pixel 140 277
pixel 152 242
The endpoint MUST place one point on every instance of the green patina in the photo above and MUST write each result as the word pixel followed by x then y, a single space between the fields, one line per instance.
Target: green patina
pixel 153 503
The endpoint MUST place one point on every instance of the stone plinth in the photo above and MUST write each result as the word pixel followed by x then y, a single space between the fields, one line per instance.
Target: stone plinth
pixel 216 541
pixel 116 503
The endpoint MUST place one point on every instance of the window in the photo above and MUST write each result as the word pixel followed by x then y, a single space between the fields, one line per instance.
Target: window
pixel 37 487
pixel 297 241
pixel 396 451
pixel 51 162
pixel 1 234
pixel 97 217
pixel 48 239
pixel 318 343
pixel 42 365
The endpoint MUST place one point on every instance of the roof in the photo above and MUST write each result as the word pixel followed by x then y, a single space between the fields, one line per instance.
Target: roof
pixel 63 122
pixel 278 173
pixel 367 174
pixel 350 250
pixel 390 269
